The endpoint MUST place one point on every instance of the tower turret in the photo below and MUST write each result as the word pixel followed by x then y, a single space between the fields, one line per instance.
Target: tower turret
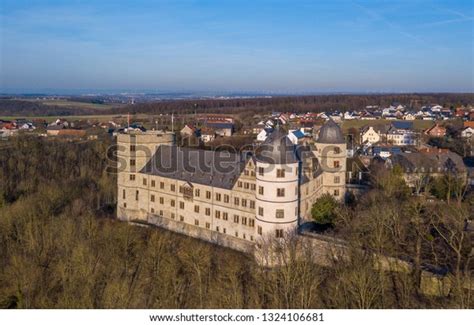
pixel 277 167
pixel 331 151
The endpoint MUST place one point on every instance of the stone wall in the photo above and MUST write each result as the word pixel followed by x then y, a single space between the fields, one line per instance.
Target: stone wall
pixel 208 235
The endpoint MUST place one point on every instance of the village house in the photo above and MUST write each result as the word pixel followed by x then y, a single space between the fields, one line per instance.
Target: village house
pixel 436 131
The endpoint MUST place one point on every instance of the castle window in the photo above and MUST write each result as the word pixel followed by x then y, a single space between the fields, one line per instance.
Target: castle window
pixel 196 222
pixel 337 150
pixel 252 173
pixel 246 185
pixel 336 192
pixel 152 183
pixel 123 193
pixel 152 210
pixel 217 228
pixel 132 177
pixel 244 203
pixel 244 221
pixel 236 234
pixel 236 218
pixel 181 205
pixel 208 195
pixel 133 148
pixel 226 198
pixel 152 198
pixel 280 192
pixel 336 164
pixel 224 230
pixel 173 216
pixel 196 208
pixel 279 233
pixel 181 218
pixel 173 188
pixel 253 187
pixel 218 214
pixel 218 196
pixel 125 204
pixel 236 200
pixel 239 184
pixel 246 172
pixel 259 230
pixel 136 195
pixel 208 211
pixel 161 212
pixel 261 170
pixel 225 216
pixel 132 162
pixel 162 185
pixel 279 213
pixel 172 203
pixel 251 237
pixel 252 204
pixel 260 190
pixel 260 211
pixel 144 181
pixel 251 222
pixel 197 192
pixel 162 200
pixel 208 225
pixel 337 179
pixel 280 173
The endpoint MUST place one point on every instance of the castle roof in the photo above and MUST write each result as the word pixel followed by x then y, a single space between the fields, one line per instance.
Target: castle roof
pixel 277 149
pixel 212 168
pixel 330 132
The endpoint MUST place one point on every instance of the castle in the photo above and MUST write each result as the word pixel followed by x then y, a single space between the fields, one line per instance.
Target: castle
pixel 231 199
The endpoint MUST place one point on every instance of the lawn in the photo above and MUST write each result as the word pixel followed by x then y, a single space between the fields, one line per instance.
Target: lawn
pixel 74 104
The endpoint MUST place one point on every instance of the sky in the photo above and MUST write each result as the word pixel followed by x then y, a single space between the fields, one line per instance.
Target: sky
pixel 278 46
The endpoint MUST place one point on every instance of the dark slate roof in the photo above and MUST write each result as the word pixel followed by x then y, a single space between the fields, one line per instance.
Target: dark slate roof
pixel 429 162
pixel 213 168
pixel 277 149
pixel 330 132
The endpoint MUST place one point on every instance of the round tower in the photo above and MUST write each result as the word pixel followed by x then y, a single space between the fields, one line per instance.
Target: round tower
pixel 277 169
pixel 331 151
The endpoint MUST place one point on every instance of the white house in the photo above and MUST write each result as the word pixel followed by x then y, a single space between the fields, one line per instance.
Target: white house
pixel 262 136
pixel 402 137
pixel 370 135
pixel 467 132
pixel 295 136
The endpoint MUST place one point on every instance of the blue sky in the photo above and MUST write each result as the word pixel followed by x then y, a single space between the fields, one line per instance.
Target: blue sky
pixel 280 46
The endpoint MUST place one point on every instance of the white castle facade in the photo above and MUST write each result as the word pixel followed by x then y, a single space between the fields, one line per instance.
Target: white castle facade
pixel 231 199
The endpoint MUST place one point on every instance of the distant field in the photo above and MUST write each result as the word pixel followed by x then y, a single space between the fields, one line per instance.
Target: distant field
pixel 73 104
pixel 67 117
pixel 417 124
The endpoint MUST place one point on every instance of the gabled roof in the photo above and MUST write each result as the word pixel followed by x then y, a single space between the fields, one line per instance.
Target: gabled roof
pixel 213 168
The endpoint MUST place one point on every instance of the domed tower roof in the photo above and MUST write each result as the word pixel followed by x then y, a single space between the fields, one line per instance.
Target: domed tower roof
pixel 277 149
pixel 330 132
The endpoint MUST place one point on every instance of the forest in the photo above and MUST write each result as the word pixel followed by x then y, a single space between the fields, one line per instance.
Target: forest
pixel 244 106
pixel 62 248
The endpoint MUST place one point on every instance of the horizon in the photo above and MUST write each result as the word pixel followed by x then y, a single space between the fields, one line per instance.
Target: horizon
pixel 260 47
